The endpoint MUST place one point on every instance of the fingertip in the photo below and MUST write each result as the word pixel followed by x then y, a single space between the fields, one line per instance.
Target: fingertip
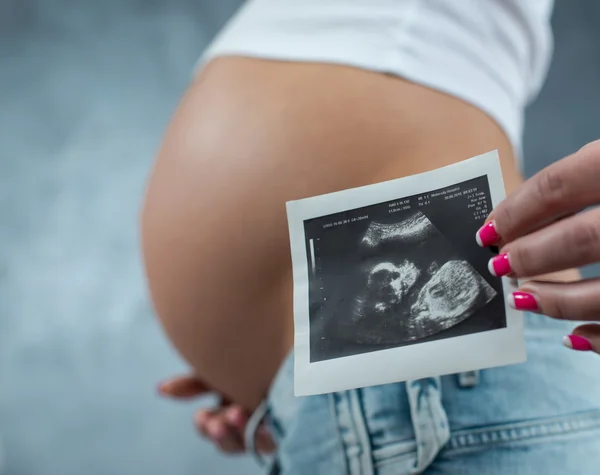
pixel 216 429
pixel 202 417
pixel 490 267
pixel 523 301
pixel 510 300
pixel 163 388
pixel 478 239
pixel 487 235
pixel 499 266
pixel 201 424
pixel 236 416
pixel 185 387
pixel 577 343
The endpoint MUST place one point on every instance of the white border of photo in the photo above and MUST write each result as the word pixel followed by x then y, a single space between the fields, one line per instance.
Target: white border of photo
pixel 418 360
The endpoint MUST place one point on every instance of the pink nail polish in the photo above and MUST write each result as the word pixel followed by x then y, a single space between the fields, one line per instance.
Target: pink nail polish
pixel 487 234
pixel 523 301
pixel 577 343
pixel 499 266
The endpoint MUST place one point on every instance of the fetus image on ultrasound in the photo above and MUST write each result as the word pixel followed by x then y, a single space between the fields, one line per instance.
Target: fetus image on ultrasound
pixel 409 283
pixel 451 295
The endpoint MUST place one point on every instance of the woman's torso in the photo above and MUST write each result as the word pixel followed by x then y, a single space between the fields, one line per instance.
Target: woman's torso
pixel 250 135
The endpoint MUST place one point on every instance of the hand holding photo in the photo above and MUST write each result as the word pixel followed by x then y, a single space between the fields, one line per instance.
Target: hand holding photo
pixel 390 273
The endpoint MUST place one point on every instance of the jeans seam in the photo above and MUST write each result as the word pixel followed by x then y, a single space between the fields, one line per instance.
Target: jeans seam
pixel 362 431
pixel 334 400
pixel 526 430
pixel 432 416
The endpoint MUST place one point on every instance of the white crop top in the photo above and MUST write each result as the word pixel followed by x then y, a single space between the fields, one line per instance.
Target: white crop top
pixel 492 53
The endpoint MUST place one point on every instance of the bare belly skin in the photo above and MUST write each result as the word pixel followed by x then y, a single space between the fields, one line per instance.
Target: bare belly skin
pixel 248 136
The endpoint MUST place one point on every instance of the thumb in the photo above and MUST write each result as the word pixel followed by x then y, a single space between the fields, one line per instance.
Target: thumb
pixel 183 387
pixel 584 338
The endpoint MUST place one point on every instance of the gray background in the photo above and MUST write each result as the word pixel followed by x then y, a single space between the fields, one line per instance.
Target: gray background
pixel 86 89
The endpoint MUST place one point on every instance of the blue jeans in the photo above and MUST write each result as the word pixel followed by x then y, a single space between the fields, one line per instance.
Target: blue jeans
pixel 541 417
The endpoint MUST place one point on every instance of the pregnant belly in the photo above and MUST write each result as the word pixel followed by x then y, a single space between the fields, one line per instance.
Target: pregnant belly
pixel 248 136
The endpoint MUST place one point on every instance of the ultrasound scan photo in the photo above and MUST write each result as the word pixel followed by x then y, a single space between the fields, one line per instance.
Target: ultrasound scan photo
pixel 390 273
pixel 394 277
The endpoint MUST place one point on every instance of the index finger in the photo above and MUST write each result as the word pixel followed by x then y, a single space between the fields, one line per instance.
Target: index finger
pixel 183 387
pixel 563 188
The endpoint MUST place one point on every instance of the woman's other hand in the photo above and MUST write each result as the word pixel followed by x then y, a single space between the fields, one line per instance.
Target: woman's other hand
pixel 540 229
pixel 223 425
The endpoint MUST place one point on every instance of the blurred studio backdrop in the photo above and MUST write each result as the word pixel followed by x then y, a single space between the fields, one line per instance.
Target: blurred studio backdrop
pixel 86 89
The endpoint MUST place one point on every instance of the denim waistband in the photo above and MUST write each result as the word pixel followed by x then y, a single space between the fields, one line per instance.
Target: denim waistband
pixel 404 427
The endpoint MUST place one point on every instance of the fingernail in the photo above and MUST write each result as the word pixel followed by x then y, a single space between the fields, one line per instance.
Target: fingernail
pixel 487 234
pixel 499 266
pixel 577 343
pixel 522 301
